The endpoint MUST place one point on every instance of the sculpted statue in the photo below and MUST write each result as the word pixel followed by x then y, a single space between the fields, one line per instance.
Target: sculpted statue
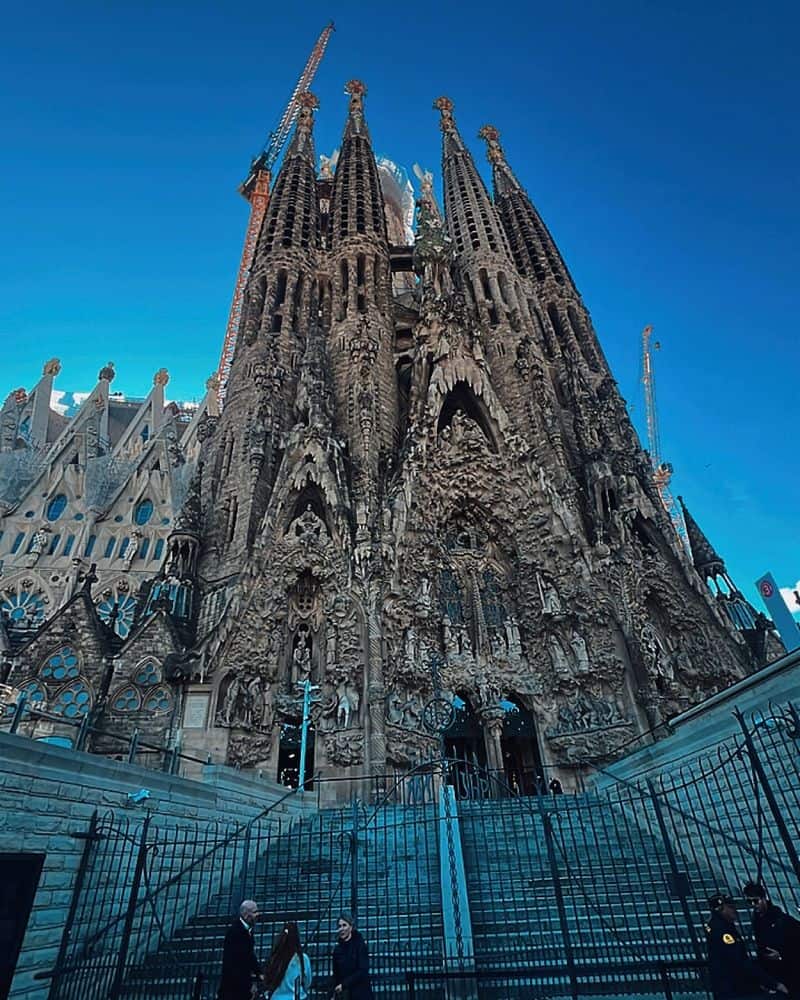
pixel 551 602
pixel 497 643
pixel 513 639
pixel 346 704
pixel 302 660
pixel 39 543
pixel 558 657
pixel 132 549
pixel 225 715
pixel 578 644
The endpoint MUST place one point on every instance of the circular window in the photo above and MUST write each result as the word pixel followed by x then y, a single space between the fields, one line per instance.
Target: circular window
pixel 119 609
pixel 61 666
pixel 56 507
pixel 72 701
pixel 127 700
pixel 143 512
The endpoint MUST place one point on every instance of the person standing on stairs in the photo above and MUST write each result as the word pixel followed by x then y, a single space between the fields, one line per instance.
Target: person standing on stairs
pixel 777 937
pixel 350 963
pixel 734 975
pixel 239 962
pixel 287 975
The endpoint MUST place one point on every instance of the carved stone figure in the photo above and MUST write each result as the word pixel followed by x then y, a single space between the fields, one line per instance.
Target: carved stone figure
pixel 301 658
pixel 558 657
pixel 551 602
pixel 578 644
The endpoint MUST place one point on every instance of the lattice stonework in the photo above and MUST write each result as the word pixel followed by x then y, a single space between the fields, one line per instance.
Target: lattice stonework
pixel 63 665
pixel 73 700
pixel 125 606
pixel 22 608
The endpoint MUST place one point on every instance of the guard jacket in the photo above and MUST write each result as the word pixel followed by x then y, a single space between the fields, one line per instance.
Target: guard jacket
pixel 733 973
pixel 777 930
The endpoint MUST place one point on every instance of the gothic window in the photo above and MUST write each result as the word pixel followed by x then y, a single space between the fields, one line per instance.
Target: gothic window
pixel 159 549
pixel 125 606
pixel 56 507
pixel 127 700
pixel 143 548
pixel 123 547
pixel 21 609
pixel 158 701
pixel 89 545
pixel 143 512
pixel 17 542
pixel 494 610
pixel 53 544
pixel 109 552
pixel 68 545
pixel 73 700
pixel 450 597
pixel 63 665
pixel 34 695
pixel 148 674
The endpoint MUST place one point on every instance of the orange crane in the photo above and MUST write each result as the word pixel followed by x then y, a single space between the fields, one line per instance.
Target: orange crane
pixel 255 188
pixel 662 471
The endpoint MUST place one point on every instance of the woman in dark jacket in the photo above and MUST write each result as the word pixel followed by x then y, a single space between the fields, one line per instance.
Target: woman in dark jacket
pixel 350 962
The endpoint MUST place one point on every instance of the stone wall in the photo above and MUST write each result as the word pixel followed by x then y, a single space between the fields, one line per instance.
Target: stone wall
pixel 48 794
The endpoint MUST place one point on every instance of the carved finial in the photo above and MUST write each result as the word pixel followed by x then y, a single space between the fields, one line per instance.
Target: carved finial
pixel 308 104
pixel 212 382
pixel 52 368
pixel 445 106
pixel 494 151
pixel 19 396
pixel 107 373
pixel 161 377
pixel 357 91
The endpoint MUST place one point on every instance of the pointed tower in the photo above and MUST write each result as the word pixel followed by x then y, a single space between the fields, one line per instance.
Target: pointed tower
pixel 569 330
pixel 361 329
pixel 244 451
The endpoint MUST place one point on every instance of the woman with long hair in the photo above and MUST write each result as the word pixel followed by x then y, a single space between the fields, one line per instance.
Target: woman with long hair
pixel 287 975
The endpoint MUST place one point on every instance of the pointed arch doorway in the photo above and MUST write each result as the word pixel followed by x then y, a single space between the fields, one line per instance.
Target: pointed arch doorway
pixel 465 747
pixel 519 748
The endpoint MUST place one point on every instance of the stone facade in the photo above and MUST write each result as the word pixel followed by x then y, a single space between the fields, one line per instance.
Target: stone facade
pixel 415 498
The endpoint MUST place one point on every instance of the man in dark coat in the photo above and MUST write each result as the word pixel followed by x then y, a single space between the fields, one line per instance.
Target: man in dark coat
pixel 734 975
pixel 239 962
pixel 777 937
pixel 350 962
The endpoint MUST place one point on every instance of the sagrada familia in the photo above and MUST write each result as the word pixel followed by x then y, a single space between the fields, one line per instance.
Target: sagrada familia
pixel 423 494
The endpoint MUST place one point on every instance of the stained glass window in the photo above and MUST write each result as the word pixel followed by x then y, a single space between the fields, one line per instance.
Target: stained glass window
pixel 127 700
pixel 18 541
pixel 56 507
pixel 159 549
pixel 73 700
pixel 34 695
pixel 22 609
pixel 158 701
pixel 126 612
pixel 148 674
pixel 143 512
pixel 90 545
pixel 110 547
pixel 61 666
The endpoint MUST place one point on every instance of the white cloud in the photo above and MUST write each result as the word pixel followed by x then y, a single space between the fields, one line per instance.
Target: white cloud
pixel 787 593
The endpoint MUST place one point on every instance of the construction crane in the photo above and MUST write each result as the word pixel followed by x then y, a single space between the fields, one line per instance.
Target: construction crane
pixel 255 188
pixel 662 471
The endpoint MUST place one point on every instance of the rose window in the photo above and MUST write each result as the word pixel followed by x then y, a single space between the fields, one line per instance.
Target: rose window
pixel 125 612
pixel 22 610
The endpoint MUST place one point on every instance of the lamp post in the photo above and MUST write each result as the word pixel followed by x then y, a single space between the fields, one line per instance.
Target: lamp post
pixel 307 687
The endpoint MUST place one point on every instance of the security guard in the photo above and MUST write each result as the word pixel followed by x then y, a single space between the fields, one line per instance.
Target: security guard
pixel 734 975
pixel 777 937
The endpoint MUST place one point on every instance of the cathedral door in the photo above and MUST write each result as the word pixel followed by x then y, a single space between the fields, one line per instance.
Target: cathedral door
pixel 465 747
pixel 289 755
pixel 520 748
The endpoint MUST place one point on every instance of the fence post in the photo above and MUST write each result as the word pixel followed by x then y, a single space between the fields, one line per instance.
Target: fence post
pixel 119 973
pixel 354 861
pixel 19 709
pixel 245 866
pixel 91 838
pixel 559 895
pixel 133 747
pixel 679 879
pixel 760 773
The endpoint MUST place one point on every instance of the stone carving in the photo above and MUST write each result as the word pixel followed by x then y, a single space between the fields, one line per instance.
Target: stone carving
pixel 301 658
pixel 246 703
pixel 347 702
pixel 581 653
pixel 345 748
pixel 39 543
pixel 132 549
pixel 548 594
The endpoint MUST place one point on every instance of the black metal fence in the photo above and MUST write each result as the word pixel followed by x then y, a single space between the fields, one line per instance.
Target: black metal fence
pixel 600 894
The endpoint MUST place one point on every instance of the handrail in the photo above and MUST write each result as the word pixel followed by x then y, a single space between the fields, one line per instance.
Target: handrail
pixel 149 896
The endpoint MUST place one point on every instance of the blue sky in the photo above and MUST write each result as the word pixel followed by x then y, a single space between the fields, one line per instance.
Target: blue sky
pixel 659 141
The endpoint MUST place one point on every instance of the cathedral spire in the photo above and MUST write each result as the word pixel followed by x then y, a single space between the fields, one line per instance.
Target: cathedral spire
pixel 708 563
pixel 534 249
pixel 302 142
pixel 472 219
pixel 357 200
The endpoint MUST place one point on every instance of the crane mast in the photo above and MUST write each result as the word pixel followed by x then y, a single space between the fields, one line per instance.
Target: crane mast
pixel 255 189
pixel 662 471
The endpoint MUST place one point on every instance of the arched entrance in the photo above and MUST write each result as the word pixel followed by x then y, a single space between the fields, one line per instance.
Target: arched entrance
pixel 519 745
pixel 465 746
pixel 289 748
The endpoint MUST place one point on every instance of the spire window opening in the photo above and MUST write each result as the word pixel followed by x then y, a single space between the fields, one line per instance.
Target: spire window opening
pixel 298 301
pixel 344 271
pixel 232 517
pixel 558 327
pixel 226 462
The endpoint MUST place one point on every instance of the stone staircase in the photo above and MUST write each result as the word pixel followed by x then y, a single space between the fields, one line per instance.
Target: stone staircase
pixel 306 875
pixel 619 907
